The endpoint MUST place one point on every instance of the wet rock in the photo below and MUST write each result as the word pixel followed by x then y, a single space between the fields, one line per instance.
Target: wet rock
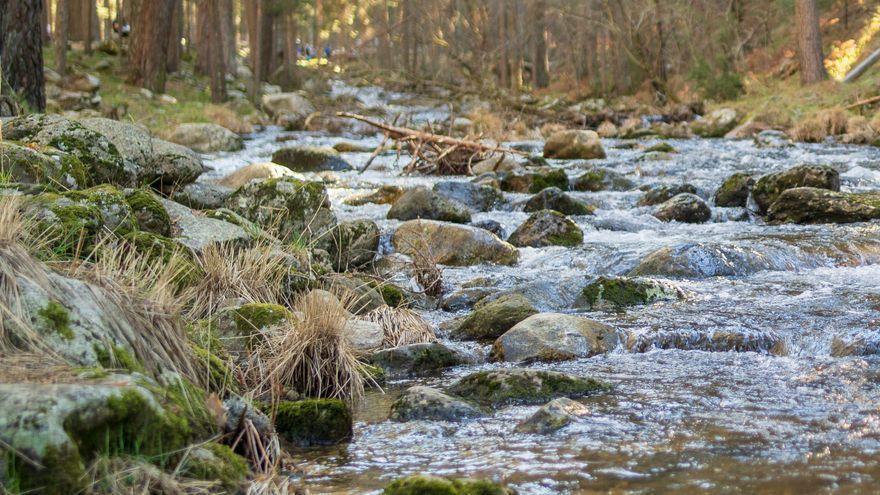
pixel 206 138
pixel 158 162
pixel 363 335
pixel 238 410
pixel 299 210
pixel 547 228
pixel 601 179
pixel 203 195
pixel 699 260
pixel 354 244
pixel 768 187
pixel 607 130
pixel 418 359
pixel 574 144
pixel 554 199
pixel 60 428
pixel 256 171
pixel 433 485
pixel 685 207
pixel 534 181
pixel 453 244
pixel 288 110
pixel 349 147
pixel 661 147
pixel 496 164
pixel 89 156
pixel 553 416
pixel 622 292
pixel 492 226
pixel 855 345
pixel 715 125
pixel 554 337
pixel 310 159
pixel 734 191
pixel 421 202
pixel 523 386
pixel 811 205
pixel 313 422
pixel 741 340
pixel 772 139
pixel 425 403
pixel 197 232
pixel 491 318
pixel 662 193
pixel 387 194
pixel 475 197
pixel 29 166
pixel 465 298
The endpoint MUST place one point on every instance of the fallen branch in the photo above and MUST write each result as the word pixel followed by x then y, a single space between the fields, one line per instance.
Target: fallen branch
pixel 861 103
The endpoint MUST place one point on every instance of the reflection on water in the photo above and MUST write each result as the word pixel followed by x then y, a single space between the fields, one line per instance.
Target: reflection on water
pixel 692 412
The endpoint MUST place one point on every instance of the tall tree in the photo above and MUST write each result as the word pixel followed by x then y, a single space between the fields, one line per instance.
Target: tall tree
pixel 540 72
pixel 21 50
pixel 809 42
pixel 149 43
pixel 62 19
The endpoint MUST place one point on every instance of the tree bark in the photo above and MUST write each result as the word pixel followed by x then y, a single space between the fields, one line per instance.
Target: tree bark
pixel 210 11
pixel 62 19
pixel 21 51
pixel 149 43
pixel 541 70
pixel 809 42
pixel 175 32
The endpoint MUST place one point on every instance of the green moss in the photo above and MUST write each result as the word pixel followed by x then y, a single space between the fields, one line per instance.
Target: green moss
pixel 374 374
pixel 314 422
pixel 624 292
pixel 493 388
pixel 432 485
pixel 392 294
pixel 62 472
pixel 492 317
pixel 149 212
pixel 663 147
pixel 259 315
pixel 555 178
pixel 215 462
pixel 58 318
pixel 220 377
pixel 116 357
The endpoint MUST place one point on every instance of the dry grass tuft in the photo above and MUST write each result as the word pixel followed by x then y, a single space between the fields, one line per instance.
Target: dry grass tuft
pixel 130 476
pixel 828 122
pixel 274 484
pixel 401 326
pixel 425 268
pixel 25 367
pixel 310 355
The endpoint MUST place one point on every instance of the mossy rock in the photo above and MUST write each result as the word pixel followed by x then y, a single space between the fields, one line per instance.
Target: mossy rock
pixel 70 227
pixel 432 485
pixel 26 165
pixel 553 178
pixel 418 359
pixel 162 250
pixel 662 147
pixel 601 179
pixel 734 191
pixel 310 159
pixel 220 378
pixel 245 326
pixel 662 193
pixel 354 244
pixel 547 228
pixel 313 422
pixel 116 214
pixel 809 205
pixel 216 462
pixel 685 207
pixel 768 188
pixel 553 198
pixel 421 202
pixel 492 317
pixel 622 292
pixel 149 212
pixel 523 386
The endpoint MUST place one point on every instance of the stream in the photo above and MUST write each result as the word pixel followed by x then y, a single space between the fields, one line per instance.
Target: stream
pixel 786 412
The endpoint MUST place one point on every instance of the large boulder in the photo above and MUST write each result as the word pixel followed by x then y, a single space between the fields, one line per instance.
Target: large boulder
pixel 26 165
pixel 523 386
pixel 768 187
pixel 433 485
pixel 421 202
pixel 535 180
pixel 88 156
pixel 664 192
pixel 288 110
pixel 157 162
pixel 715 125
pixel 418 359
pixel 812 205
pixel 197 231
pixel 298 210
pixel 601 179
pixel 547 228
pixel 310 159
pixel 574 144
pixel 621 292
pixel 734 191
pixel 554 337
pixel 453 244
pixel 425 403
pixel 492 317
pixel 553 416
pixel 553 198
pixel 206 137
pixel 475 197
pixel 685 207
pixel 203 195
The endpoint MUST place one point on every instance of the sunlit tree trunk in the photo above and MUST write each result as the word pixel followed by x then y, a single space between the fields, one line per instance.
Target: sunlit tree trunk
pixel 809 42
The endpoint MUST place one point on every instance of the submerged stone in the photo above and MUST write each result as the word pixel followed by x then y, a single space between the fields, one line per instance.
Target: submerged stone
pixel 739 340
pixel 601 179
pixel 686 208
pixel 523 386
pixel 432 485
pixel 662 193
pixel 418 359
pixel 475 197
pixel 426 403
pixel 553 416
pixel 553 198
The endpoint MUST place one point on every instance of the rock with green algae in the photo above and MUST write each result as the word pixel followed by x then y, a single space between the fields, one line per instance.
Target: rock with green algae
pixel 553 416
pixel 148 211
pixel 661 147
pixel 244 327
pixel 26 165
pixel 523 386
pixel 116 214
pixel 734 191
pixel 547 228
pixel 421 202
pixel 809 205
pixel 664 192
pixel 216 462
pixel 70 227
pixel 197 232
pixel 685 208
pixel 312 422
pixel 574 144
pixel 85 152
pixel 359 292
pixel 553 198
pixel 554 337
pixel 420 403
pixel 432 485
pixel 622 292
pixel 453 244
pixel 418 359
pixel 297 210
pixel 768 188
pixel 601 179
pixel 716 124
pixel 61 427
pixel 310 159
pixel 534 180
pixel 492 317
pixel 354 244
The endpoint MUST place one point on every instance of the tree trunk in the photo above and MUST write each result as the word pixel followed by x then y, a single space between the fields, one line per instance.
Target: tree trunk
pixel 91 25
pixel 44 26
pixel 255 34
pixel 62 19
pixel 204 30
pixel 83 20
pixel 21 51
pixel 809 42
pixel 175 32
pixel 149 43
pixel 290 50
pixel 210 11
pixel 540 70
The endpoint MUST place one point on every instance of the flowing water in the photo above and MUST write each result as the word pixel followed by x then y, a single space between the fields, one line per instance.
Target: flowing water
pixel 785 412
